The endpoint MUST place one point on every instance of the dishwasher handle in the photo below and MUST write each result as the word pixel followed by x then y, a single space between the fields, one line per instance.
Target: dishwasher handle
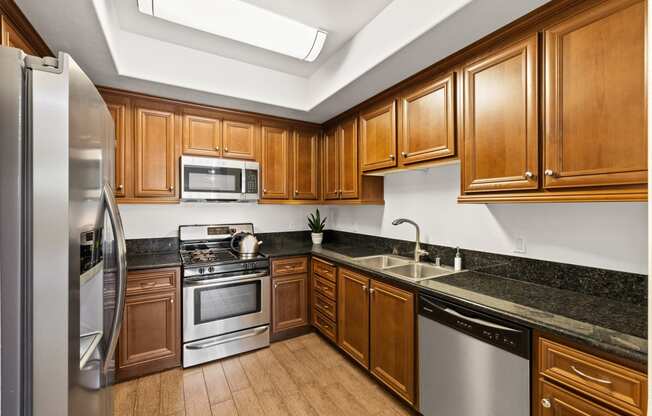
pixel 498 332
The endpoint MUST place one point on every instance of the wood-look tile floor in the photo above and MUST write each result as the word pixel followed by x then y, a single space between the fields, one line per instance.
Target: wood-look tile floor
pixel 300 376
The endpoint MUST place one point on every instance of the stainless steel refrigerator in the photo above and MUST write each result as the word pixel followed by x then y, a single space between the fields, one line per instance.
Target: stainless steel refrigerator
pixel 62 248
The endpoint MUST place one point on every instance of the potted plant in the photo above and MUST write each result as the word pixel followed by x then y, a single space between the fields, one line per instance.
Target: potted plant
pixel 316 225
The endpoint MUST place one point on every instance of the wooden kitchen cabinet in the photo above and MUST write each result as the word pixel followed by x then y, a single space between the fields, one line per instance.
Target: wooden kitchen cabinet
pixel 305 164
pixel 556 401
pixel 290 302
pixel 12 38
pixel 331 164
pixel 202 134
pixel 239 138
pixel 426 122
pixel 275 162
pixel 150 337
pixel 391 332
pixel 120 110
pixel 156 155
pixel 501 120
pixel 353 315
pixel 323 297
pixel 595 121
pixel 378 136
pixel 348 159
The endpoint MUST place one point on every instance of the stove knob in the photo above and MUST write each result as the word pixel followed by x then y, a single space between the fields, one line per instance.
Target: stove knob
pixel 211 269
pixel 201 270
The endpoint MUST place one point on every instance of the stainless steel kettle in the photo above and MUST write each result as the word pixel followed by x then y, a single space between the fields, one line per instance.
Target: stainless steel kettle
pixel 248 244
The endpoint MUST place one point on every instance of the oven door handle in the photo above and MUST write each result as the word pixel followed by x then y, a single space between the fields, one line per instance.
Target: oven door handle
pixel 204 345
pixel 212 282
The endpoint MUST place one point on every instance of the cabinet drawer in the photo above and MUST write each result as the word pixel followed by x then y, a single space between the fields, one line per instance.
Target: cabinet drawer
pixel 324 325
pixel 325 287
pixel 557 401
pixel 323 269
pixel 292 265
pixel 325 306
pixel 611 383
pixel 151 280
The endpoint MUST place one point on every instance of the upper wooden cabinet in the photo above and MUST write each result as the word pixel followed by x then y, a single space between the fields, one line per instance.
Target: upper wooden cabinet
pixel 348 159
pixel 202 134
pixel 331 164
pixel 12 38
pixel 239 139
pixel 595 122
pixel 275 162
pixel 305 164
pixel 156 138
pixel 501 120
pixel 120 110
pixel 378 136
pixel 426 122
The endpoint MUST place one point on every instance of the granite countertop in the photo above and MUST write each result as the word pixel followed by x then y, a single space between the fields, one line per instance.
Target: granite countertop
pixel 616 327
pixel 153 260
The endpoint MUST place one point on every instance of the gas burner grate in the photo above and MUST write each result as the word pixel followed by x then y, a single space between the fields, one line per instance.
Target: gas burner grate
pixel 210 255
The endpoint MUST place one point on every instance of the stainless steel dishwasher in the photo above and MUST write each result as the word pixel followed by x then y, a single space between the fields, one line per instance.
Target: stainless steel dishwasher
pixel 470 363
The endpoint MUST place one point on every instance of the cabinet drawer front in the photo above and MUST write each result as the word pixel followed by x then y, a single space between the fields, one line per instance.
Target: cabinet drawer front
pixel 323 269
pixel 611 383
pixel 557 401
pixel 325 306
pixel 325 287
pixel 151 280
pixel 294 265
pixel 324 325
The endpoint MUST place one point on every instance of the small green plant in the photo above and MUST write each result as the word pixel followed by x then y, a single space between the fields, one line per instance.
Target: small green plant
pixel 315 222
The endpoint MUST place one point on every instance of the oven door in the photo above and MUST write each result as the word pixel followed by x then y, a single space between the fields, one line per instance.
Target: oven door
pixel 206 178
pixel 222 305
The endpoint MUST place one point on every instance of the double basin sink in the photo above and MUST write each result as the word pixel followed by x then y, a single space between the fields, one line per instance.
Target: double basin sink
pixel 403 267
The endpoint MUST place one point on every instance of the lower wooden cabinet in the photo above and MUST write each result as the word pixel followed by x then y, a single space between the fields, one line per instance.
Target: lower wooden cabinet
pixel 375 326
pixel 150 338
pixel 323 298
pixel 556 401
pixel 289 302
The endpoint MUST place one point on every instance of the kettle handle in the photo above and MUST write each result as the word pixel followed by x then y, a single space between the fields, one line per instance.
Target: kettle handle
pixel 233 240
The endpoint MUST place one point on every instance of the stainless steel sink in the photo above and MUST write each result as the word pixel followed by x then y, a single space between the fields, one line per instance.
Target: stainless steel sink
pixel 382 262
pixel 418 271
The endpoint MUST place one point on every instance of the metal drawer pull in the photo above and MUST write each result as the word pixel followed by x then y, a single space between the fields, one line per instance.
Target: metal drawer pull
pixel 479 321
pixel 597 380
pixel 209 344
pixel 364 288
pixel 546 403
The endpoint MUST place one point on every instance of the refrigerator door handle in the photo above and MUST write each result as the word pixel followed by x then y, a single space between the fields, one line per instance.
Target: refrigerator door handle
pixel 121 284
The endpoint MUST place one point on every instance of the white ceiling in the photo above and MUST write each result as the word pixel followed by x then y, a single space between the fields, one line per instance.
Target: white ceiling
pixel 372 44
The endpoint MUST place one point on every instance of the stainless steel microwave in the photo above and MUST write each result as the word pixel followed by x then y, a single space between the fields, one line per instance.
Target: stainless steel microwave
pixel 215 179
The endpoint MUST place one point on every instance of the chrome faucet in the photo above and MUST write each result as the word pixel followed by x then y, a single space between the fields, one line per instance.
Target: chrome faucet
pixel 417 248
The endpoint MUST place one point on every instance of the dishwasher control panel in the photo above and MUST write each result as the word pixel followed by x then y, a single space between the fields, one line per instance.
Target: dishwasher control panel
pixel 500 333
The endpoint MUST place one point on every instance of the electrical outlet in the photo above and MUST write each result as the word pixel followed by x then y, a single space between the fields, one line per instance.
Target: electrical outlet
pixel 519 245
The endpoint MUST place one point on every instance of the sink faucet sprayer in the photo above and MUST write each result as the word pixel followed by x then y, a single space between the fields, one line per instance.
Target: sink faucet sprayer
pixel 417 248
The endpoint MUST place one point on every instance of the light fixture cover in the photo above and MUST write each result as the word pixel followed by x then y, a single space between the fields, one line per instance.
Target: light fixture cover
pixel 243 22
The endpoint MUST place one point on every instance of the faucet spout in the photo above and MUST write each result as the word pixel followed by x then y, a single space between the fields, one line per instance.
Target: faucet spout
pixel 418 252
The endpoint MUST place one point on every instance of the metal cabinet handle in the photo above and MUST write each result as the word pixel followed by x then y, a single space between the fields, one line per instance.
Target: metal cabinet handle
pixel 147 284
pixel 364 288
pixel 171 300
pixel 529 175
pixel 275 285
pixel 588 377
pixel 217 147
pixel 120 187
pixel 226 149
pixel 549 172
pixel 372 290
pixel 171 188
pixel 391 157
pixel 546 403
pixel 264 191
pixel 296 191
pixel 404 154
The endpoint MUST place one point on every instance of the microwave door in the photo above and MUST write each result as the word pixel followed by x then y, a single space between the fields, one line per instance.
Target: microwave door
pixel 202 182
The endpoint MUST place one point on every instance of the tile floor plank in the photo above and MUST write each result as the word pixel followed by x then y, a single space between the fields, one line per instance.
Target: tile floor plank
pixel 195 394
pixel 124 398
pixel 225 408
pixel 299 373
pixel 235 375
pixel 172 401
pixel 247 403
pixel 319 400
pixel 148 397
pixel 279 375
pixel 216 384
pixel 298 405
pixel 260 379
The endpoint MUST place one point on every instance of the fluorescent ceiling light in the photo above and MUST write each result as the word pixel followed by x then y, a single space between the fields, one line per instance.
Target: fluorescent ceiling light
pixel 243 22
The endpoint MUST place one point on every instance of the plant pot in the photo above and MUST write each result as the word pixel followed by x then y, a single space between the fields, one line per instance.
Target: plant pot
pixel 317 237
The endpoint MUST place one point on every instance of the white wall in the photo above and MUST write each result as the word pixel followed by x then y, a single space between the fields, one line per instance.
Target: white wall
pixel 149 221
pixel 605 235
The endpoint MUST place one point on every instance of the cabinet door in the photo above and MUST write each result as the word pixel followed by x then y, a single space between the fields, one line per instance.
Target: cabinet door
pixel 119 110
pixel 331 164
pixel 305 164
pixel 239 139
pixel 348 158
pixel 555 401
pixel 595 125
pixel 201 135
pixel 290 302
pixel 500 120
pixel 392 338
pixel 150 337
pixel 155 155
pixel 427 122
pixel 353 315
pixel 275 163
pixel 378 137
pixel 13 39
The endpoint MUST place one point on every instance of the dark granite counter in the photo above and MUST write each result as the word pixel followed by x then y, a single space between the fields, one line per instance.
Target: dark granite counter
pixel 610 325
pixel 153 260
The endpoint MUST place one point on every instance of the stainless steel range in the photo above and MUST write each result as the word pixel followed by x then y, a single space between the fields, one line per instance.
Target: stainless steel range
pixel 226 297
